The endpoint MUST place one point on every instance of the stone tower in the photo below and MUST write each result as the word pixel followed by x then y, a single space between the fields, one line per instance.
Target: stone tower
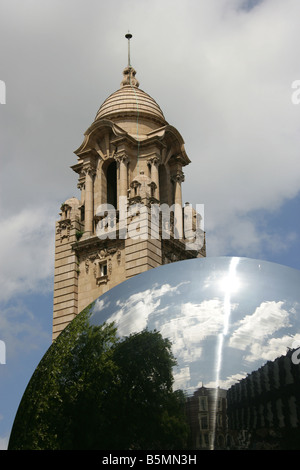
pixel 129 217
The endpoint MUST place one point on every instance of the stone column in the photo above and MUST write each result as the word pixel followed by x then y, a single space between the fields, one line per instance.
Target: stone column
pixel 178 222
pixel 122 194
pixel 122 162
pixel 81 188
pixel 89 199
pixel 154 161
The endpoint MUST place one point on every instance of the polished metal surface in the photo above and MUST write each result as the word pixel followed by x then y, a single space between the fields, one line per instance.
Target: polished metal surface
pixel 234 325
pixel 224 316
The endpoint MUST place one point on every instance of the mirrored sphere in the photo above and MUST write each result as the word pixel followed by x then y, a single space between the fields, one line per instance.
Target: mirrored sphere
pixel 234 328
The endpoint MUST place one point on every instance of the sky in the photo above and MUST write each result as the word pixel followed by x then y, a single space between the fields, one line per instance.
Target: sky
pixel 222 72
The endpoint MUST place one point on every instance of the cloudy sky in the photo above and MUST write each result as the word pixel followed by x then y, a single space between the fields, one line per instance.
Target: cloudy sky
pixel 221 70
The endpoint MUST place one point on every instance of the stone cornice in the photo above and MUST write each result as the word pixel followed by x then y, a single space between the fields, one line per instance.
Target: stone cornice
pixel 95 243
pixel 92 132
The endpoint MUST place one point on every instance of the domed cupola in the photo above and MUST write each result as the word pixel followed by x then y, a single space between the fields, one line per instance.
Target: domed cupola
pixel 130 107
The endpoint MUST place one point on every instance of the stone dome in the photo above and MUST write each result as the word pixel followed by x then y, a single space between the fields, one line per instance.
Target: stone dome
pixel 131 102
pixel 73 202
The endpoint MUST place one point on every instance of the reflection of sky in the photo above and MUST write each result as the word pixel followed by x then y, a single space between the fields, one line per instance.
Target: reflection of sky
pixel 185 301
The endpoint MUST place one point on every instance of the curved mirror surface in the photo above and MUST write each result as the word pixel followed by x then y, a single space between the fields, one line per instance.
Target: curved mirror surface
pixel 233 326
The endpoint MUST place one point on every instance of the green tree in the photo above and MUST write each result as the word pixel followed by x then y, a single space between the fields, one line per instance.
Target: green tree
pixel 149 414
pixel 95 391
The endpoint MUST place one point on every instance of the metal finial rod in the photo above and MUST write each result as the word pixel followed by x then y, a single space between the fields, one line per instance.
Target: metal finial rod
pixel 128 36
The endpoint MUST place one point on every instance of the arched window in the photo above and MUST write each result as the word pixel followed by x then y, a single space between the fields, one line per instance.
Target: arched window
pixel 111 182
pixel 163 185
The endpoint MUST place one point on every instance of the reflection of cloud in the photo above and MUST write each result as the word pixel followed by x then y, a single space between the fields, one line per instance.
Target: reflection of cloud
pixel 100 305
pixel 195 323
pixel 181 378
pixel 226 383
pixel 133 314
pixel 254 330
pixel 4 442
pixel 275 347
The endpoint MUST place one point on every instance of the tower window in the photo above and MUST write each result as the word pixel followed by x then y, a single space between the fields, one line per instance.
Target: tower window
pixel 163 185
pixel 82 213
pixel 101 273
pixel 111 181
pixel 203 404
pixel 102 269
pixel 203 422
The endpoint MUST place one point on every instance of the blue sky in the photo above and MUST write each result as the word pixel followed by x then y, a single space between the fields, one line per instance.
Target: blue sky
pixel 222 72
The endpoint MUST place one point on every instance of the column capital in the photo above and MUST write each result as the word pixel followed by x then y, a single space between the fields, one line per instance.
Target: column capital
pixel 121 157
pixel 89 170
pixel 81 185
pixel 178 177
pixel 154 160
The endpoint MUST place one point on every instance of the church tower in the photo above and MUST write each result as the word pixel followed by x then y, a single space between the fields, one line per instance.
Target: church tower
pixel 129 217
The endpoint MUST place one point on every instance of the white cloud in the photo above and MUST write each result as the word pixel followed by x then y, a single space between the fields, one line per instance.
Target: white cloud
pixel 192 326
pixel 268 318
pixel 27 252
pixel 21 330
pixel 132 315
pixel 273 348
pixel 226 383
pixel 181 378
pixel 100 305
pixel 254 332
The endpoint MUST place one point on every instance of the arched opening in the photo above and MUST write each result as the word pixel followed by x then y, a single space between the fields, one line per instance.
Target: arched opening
pixel 163 185
pixel 111 182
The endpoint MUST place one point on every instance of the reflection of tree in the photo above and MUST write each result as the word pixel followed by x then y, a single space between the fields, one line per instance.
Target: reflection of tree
pixel 149 415
pixel 94 391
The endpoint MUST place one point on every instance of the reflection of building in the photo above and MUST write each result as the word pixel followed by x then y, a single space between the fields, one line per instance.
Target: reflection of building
pixel 206 415
pixel 131 159
pixel 264 407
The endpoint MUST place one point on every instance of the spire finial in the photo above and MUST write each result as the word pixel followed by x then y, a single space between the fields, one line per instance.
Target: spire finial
pixel 129 72
pixel 128 36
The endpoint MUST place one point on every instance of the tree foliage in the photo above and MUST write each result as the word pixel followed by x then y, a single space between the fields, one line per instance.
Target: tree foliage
pixel 93 390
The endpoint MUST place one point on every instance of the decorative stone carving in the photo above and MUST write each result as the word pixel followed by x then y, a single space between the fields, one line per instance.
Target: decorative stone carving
pixel 64 228
pixel 129 77
pixel 87 266
pixel 89 170
pixel 155 160
pixel 102 263
pixel 110 266
pixel 81 185
pixel 170 258
pixel 178 177
pixel 121 158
